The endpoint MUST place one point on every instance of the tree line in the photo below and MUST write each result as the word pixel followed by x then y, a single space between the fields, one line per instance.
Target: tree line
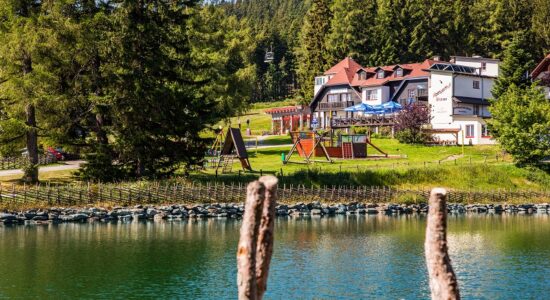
pixel 131 83
pixel 310 36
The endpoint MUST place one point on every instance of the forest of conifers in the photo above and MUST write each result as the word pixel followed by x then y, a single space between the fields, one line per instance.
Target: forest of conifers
pixel 131 84
pixel 309 36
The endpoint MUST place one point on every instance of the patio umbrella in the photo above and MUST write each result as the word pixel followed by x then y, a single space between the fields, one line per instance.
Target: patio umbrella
pixel 392 106
pixel 361 107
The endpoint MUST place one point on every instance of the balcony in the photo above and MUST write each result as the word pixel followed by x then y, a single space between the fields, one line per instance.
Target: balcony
pixel 335 105
pixel 422 93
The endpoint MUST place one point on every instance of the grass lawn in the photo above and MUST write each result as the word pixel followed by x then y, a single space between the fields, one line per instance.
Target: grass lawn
pixel 260 122
pixel 52 177
pixel 471 167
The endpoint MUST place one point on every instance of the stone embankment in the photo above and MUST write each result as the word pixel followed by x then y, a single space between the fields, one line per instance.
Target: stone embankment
pixel 178 212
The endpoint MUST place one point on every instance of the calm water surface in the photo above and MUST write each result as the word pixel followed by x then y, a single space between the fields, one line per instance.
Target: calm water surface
pixel 495 257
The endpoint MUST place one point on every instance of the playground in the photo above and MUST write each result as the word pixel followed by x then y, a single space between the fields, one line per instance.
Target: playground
pixel 269 158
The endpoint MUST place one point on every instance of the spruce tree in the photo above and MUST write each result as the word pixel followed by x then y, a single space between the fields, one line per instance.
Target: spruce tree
pixel 351 33
pixel 495 22
pixel 157 107
pixel 28 83
pixel 515 67
pixel 393 27
pixel 440 28
pixel 541 25
pixel 311 52
pixel 430 33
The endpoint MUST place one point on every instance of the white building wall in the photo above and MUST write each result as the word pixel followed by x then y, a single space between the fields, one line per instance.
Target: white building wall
pixel 319 82
pixel 440 94
pixel 546 89
pixel 464 86
pixel 382 95
pixel 447 114
pixel 491 66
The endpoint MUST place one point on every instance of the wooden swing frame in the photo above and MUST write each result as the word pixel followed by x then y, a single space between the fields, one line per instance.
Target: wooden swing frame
pixel 317 141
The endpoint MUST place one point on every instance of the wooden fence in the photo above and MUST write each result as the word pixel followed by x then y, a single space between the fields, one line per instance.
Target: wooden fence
pixel 191 192
pixel 10 163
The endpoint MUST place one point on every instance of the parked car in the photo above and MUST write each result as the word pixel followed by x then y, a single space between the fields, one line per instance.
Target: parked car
pixel 59 155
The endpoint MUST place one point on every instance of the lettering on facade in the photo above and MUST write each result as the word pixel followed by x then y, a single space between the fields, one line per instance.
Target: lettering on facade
pixel 462 110
pixel 441 91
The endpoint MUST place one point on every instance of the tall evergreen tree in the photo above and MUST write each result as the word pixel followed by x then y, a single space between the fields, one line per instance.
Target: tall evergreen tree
pixel 431 32
pixel 351 33
pixel 312 51
pixel 541 24
pixel 441 28
pixel 515 67
pixel 157 106
pixel 495 22
pixel 221 51
pixel 27 82
pixel 393 25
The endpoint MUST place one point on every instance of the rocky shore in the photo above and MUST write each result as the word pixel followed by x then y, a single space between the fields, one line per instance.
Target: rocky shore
pixel 178 212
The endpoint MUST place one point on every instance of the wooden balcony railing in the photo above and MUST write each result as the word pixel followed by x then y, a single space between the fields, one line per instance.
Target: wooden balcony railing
pixel 335 105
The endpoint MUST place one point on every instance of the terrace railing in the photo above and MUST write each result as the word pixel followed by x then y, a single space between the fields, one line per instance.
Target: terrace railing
pixel 377 120
pixel 335 105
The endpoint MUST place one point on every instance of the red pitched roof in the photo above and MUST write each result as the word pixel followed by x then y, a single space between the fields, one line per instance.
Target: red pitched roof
pixel 542 66
pixel 343 72
pixel 413 70
pixel 284 109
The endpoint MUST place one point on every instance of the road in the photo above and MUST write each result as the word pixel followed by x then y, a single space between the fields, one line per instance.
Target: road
pixel 67 165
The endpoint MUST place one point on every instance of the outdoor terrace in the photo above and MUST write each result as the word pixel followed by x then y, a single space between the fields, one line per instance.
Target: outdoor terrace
pixel 374 120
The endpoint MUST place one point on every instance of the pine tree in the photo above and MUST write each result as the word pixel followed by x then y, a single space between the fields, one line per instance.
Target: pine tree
pixel 515 66
pixel 495 22
pixel 440 28
pixel 429 35
pixel 392 32
pixel 351 34
pixel 156 105
pixel 221 51
pixel 28 85
pixel 541 25
pixel 311 52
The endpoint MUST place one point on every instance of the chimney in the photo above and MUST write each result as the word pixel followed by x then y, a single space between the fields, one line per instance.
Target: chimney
pixel 437 58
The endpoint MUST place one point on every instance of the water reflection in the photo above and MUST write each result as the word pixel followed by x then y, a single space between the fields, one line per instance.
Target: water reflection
pixel 495 256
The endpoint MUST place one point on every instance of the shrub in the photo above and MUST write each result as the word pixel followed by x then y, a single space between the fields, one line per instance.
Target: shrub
pixel 409 124
pixel 521 118
pixel 409 136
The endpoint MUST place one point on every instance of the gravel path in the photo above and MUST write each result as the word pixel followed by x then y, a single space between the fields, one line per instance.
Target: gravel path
pixel 67 165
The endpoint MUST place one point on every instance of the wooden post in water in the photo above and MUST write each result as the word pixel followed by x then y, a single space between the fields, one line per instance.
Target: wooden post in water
pixel 256 240
pixel 443 282
pixel 265 235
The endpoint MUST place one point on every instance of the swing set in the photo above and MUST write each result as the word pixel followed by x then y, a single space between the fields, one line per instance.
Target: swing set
pixel 306 144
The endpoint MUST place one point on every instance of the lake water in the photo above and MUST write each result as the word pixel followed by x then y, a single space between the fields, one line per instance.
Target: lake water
pixel 495 257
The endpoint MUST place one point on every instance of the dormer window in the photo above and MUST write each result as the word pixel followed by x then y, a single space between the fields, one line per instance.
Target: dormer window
pixel 380 74
pixel 399 72
pixel 362 75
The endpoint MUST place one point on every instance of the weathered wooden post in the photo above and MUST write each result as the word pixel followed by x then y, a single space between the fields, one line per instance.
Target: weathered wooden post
pixel 264 249
pixel 443 282
pixel 256 240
